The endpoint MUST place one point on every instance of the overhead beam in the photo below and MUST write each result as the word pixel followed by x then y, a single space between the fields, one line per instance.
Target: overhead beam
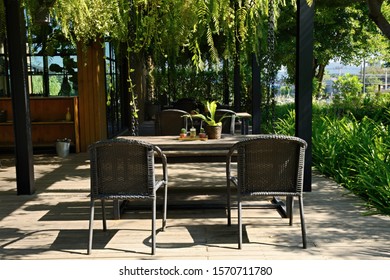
pixel 16 36
pixel 303 82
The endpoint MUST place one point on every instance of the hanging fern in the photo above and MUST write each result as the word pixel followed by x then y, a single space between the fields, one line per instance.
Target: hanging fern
pixel 90 20
pixel 2 21
pixel 208 29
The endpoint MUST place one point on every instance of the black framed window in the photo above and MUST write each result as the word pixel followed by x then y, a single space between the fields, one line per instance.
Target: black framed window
pixel 51 64
pixel 113 93
pixel 4 72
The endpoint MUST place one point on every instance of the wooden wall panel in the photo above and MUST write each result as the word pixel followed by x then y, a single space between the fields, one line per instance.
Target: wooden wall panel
pixel 92 96
pixel 48 121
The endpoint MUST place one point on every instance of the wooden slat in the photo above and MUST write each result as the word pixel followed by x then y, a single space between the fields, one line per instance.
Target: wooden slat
pixel 53 223
pixel 92 98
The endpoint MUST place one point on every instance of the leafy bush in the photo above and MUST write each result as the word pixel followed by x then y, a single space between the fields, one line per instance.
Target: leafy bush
pixel 356 155
pixel 355 152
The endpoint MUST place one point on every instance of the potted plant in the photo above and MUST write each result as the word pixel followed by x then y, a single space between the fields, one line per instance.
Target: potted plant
pixel 183 133
pixel 213 126
pixel 202 133
pixel 192 132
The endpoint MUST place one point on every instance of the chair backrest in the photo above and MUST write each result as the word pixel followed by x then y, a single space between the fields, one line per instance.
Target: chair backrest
pixel 228 124
pixel 170 122
pixel 122 167
pixel 270 163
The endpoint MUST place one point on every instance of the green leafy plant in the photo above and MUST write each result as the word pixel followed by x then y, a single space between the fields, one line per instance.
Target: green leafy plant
pixel 355 152
pixel 209 118
pixel 2 21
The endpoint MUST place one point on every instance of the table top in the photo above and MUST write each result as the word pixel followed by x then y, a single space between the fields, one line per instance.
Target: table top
pixel 243 115
pixel 173 142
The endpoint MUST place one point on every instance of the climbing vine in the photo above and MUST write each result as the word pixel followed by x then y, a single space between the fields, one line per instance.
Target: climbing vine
pixel 2 21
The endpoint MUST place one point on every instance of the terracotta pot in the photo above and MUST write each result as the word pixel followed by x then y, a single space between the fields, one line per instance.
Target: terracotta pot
pixel 214 132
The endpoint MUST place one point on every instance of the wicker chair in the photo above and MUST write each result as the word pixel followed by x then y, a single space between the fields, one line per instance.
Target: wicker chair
pixel 124 170
pixel 170 122
pixel 268 165
pixel 228 124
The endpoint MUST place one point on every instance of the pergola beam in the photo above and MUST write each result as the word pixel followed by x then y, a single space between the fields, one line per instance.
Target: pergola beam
pixel 303 82
pixel 16 34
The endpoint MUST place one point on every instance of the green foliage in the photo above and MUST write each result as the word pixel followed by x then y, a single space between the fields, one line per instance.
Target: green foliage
pixel 356 155
pixel 355 152
pixel 209 116
pixel 2 21
pixel 348 90
pixel 350 100
pixel 201 86
pixel 342 31
pixel 286 124
pixel 90 20
pixel 348 86
pixel 55 85
pixel 224 24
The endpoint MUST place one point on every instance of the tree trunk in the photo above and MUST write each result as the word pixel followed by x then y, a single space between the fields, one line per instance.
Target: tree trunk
pixel 320 76
pixel 374 7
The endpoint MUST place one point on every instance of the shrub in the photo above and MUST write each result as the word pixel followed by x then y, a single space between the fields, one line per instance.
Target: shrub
pixel 355 152
pixel 356 155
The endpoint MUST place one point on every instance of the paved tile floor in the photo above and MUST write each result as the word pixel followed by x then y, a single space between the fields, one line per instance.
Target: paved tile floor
pixel 53 222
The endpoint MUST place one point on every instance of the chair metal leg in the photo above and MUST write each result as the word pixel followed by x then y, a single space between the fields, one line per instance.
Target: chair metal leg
pixel 92 213
pixel 164 224
pixel 303 226
pixel 229 212
pixel 154 226
pixel 290 208
pixel 104 215
pixel 239 206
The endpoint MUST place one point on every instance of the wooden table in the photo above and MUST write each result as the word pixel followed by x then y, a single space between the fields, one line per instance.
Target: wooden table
pixel 172 146
pixel 189 150
pixel 244 119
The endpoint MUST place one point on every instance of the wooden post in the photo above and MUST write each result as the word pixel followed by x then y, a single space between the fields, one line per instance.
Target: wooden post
pixel 303 82
pixel 92 95
pixel 20 97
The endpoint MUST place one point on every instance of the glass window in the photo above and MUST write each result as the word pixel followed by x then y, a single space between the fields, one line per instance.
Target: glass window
pixel 114 107
pixel 62 75
pixel 4 74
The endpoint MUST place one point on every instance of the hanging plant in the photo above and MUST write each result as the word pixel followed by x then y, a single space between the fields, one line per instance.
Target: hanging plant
pixel 2 21
pixel 88 21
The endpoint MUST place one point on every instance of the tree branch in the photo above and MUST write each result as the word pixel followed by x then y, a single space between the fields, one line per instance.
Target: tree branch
pixel 375 13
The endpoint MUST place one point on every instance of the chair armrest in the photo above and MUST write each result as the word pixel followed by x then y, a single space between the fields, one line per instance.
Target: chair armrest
pixel 229 161
pixel 163 162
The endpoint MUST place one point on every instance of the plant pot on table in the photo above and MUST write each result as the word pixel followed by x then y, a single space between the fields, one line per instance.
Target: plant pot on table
pixel 214 132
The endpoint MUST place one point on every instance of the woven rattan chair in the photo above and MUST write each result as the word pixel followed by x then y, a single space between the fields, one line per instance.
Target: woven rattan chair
pixel 125 170
pixel 171 121
pixel 228 124
pixel 268 165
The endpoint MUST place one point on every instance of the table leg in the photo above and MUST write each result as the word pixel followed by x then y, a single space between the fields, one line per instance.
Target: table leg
pixel 116 209
pixel 244 126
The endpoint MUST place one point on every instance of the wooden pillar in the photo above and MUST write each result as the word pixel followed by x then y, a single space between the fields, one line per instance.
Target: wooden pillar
pixel 20 97
pixel 303 82
pixel 92 95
